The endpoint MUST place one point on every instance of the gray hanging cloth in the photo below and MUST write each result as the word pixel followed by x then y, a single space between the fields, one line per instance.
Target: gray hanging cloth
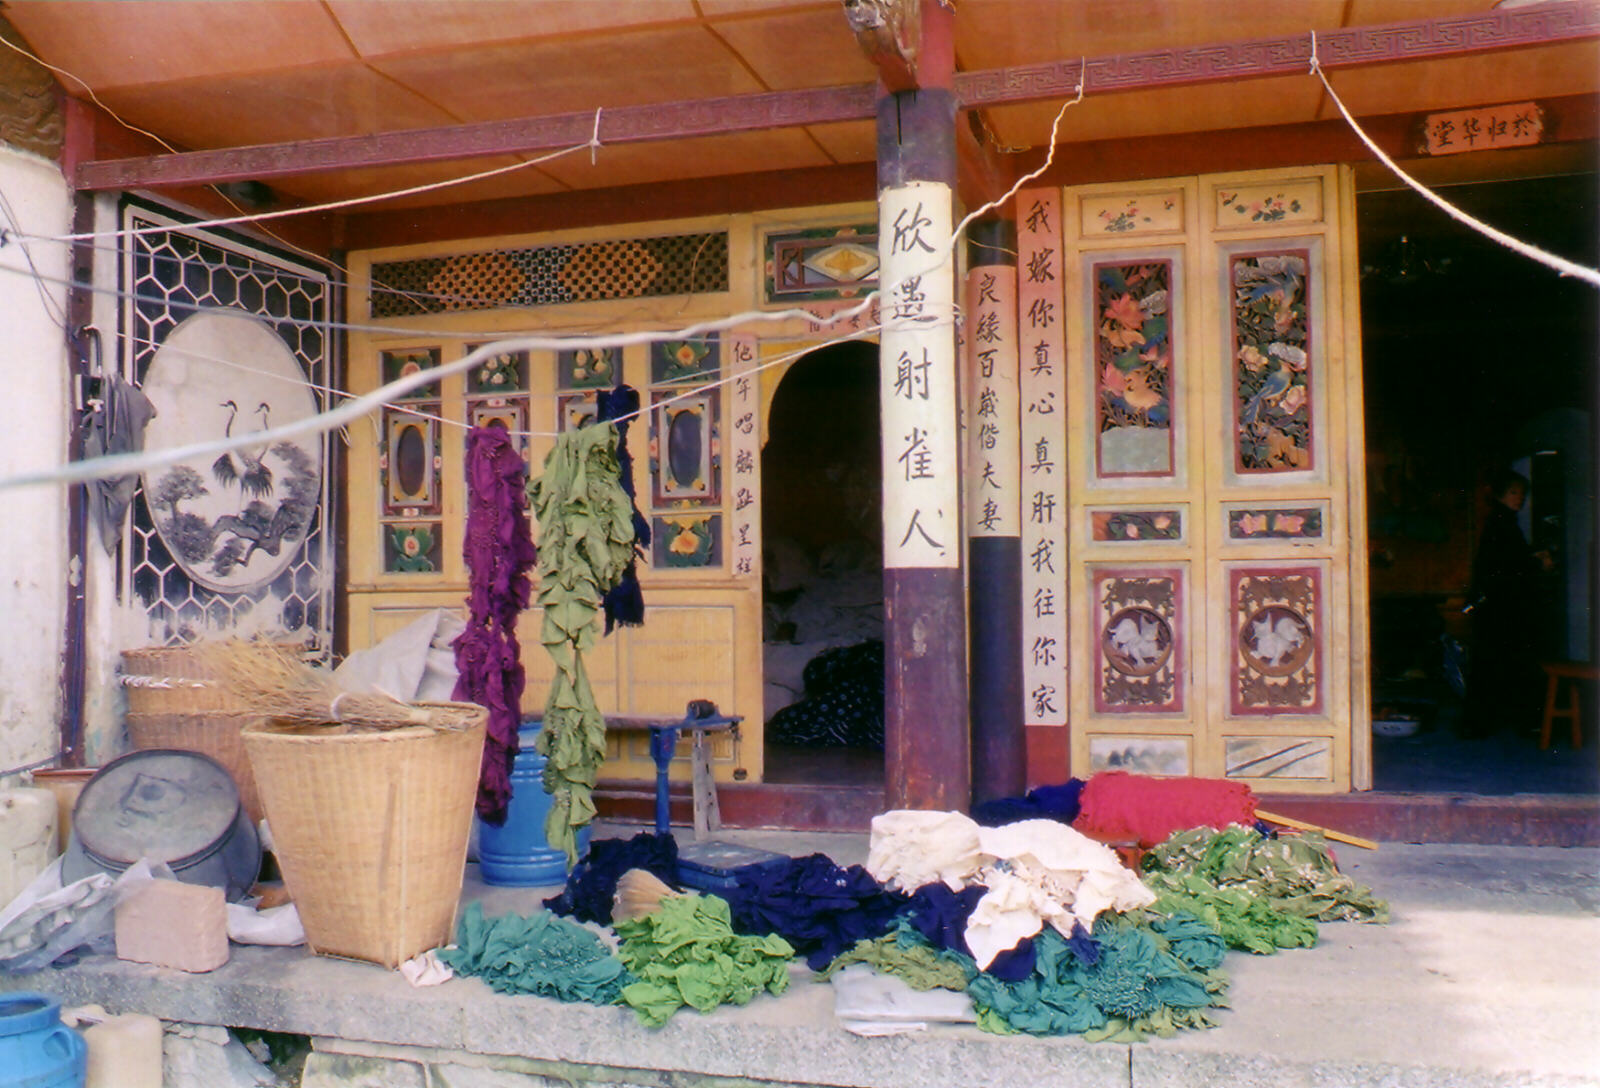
pixel 115 426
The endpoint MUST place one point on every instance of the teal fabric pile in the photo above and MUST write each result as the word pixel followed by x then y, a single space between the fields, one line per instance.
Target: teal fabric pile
pixel 1152 975
pixel 542 954
pixel 1261 894
pixel 686 953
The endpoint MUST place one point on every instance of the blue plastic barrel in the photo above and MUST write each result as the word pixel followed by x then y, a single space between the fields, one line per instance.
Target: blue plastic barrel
pixel 36 1049
pixel 517 854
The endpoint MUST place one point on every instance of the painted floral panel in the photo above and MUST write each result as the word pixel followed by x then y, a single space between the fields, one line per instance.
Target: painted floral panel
pixel 588 368
pixel 687 540
pixel 1272 362
pixel 499 375
pixel 1133 525
pixel 1275 524
pixel 679 361
pixel 402 364
pixel 413 549
pixel 1133 359
pixel 821 263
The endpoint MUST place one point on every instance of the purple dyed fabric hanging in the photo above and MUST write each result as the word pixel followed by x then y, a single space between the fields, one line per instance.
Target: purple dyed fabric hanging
pixel 499 552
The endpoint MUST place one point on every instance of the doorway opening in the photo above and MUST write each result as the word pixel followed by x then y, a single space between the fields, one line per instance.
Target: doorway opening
pixel 1477 360
pixel 822 583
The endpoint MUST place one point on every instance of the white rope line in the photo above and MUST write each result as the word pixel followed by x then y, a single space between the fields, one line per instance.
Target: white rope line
pixel 1032 174
pixel 358 406
pixel 594 137
pixel 332 205
pixel 401 406
pixel 1551 260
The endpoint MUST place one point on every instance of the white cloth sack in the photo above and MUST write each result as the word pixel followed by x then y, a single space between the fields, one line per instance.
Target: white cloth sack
pixel 414 664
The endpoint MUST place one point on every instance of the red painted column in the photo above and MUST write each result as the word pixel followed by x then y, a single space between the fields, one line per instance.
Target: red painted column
pixel 928 760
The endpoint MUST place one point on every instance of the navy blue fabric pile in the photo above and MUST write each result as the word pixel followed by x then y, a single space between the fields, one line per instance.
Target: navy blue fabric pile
pixel 593 881
pixel 1059 803
pixel 813 904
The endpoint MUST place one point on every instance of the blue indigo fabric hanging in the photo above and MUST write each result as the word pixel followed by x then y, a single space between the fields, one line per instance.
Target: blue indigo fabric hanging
pixel 593 881
pixel 624 602
pixel 1059 803
pixel 499 553
pixel 818 907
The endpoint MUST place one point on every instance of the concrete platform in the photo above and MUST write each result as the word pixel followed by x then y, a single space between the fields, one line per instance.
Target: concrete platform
pixel 1489 975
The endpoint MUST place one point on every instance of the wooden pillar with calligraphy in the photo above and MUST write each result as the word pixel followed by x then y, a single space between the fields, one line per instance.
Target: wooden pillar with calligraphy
pixel 993 520
pixel 927 759
pixel 1041 339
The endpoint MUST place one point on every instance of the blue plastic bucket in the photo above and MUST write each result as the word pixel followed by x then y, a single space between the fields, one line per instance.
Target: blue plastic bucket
pixel 517 854
pixel 36 1049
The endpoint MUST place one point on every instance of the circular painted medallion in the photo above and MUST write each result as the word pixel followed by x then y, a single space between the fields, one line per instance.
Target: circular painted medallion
pixel 1136 641
pixel 1277 641
pixel 232 521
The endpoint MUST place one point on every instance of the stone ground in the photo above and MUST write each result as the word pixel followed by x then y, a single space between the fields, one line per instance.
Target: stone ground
pixel 1488 975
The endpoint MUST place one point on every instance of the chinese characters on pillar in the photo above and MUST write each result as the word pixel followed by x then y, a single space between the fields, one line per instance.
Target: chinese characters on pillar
pixel 1041 350
pixel 744 408
pixel 991 391
pixel 921 505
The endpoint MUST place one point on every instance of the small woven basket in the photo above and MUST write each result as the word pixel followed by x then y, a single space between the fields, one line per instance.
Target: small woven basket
pixel 175 701
pixel 370 827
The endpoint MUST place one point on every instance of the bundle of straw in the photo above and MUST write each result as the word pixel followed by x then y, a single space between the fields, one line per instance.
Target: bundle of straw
pixel 269 679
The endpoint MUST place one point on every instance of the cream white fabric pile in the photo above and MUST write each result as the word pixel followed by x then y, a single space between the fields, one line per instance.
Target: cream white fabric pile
pixel 1038 872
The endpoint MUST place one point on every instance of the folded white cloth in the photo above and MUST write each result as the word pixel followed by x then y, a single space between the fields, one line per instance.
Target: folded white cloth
pixel 911 847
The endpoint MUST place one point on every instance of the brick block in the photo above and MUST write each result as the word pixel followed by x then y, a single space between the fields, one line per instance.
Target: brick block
pixel 172 924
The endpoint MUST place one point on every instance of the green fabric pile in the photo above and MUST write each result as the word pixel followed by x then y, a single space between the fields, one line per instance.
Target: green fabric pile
pixel 1153 975
pixel 585 544
pixel 1261 894
pixel 907 955
pixel 686 953
pixel 543 954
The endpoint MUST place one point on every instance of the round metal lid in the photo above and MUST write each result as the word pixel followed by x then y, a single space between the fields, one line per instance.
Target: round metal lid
pixel 163 804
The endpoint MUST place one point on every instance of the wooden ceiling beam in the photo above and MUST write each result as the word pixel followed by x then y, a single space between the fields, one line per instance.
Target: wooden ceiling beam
pixel 1352 47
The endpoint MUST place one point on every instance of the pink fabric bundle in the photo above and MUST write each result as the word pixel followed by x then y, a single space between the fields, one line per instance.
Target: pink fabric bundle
pixel 1118 806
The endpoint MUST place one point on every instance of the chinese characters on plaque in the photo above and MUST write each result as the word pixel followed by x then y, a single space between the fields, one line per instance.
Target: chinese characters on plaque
pixel 921 525
pixel 1041 351
pixel 744 409
pixel 991 388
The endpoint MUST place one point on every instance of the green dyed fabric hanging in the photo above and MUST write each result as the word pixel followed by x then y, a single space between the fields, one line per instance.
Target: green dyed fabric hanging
pixel 1245 920
pixel 1152 976
pixel 542 953
pixel 1295 872
pixel 686 953
pixel 585 544
pixel 908 956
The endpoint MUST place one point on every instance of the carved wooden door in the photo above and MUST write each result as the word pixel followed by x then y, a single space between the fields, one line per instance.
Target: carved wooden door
pixel 1215 606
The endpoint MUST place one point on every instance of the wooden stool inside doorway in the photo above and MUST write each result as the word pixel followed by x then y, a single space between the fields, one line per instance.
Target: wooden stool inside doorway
pixel 1576 672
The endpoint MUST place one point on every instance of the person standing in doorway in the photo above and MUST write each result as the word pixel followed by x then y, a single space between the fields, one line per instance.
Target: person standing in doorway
pixel 1504 690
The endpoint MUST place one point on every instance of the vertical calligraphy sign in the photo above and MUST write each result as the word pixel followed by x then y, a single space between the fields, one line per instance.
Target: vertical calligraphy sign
pixel 921 458
pixel 992 411
pixel 744 410
pixel 1041 349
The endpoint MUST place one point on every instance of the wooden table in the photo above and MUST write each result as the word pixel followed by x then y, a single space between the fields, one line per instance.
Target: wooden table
pixel 1555 672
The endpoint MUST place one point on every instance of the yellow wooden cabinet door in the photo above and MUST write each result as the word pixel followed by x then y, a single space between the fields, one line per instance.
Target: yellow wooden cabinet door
pixel 1214 449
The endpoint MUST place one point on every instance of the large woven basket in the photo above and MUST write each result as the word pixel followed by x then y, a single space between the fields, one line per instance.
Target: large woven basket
pixel 370 827
pixel 174 701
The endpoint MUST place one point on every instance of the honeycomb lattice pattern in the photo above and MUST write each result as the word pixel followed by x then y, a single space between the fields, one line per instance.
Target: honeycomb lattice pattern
pixel 166 277
pixel 678 264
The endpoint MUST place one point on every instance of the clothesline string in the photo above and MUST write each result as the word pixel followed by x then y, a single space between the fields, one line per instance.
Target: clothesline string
pixel 401 406
pixel 1550 260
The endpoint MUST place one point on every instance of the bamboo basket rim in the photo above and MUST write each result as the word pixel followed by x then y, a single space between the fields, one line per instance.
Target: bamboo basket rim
pixel 451 717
